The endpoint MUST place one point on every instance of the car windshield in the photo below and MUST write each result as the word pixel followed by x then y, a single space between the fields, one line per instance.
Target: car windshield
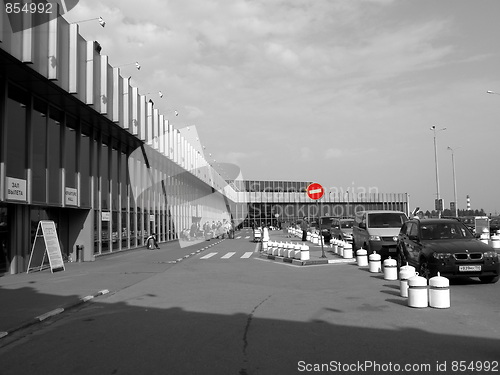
pixel 346 223
pixel 444 231
pixel 386 220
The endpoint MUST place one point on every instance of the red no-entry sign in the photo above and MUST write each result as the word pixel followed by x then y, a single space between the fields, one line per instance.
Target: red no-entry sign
pixel 315 191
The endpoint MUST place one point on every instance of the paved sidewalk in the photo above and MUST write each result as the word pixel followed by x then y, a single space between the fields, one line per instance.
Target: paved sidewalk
pixel 30 298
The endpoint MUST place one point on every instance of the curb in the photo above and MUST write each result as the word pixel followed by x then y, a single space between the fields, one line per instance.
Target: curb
pixel 306 262
pixel 52 313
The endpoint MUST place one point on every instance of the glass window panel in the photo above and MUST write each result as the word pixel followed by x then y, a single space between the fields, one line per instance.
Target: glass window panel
pixel 39 163
pixel 84 161
pixel 114 179
pixel 124 230
pixel 95 171
pixel 104 177
pixel 97 221
pixel 132 229
pixel 15 130
pixel 114 233
pixel 105 235
pixel 70 158
pixel 123 180
pixel 54 156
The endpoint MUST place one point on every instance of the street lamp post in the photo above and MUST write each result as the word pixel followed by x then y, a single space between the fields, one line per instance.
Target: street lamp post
pixel 433 128
pixel 454 179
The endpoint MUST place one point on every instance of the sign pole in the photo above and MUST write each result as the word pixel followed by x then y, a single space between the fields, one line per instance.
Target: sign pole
pixel 323 255
pixel 315 191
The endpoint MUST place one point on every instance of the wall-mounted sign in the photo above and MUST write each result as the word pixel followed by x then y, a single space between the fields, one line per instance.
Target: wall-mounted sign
pixel 70 197
pixel 106 216
pixel 16 189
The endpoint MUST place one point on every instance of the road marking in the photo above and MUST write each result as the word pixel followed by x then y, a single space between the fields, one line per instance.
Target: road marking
pixel 228 255
pixel 247 255
pixel 247 237
pixel 209 255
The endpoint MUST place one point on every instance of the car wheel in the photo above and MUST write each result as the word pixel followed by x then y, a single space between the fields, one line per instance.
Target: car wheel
pixel 489 279
pixel 423 268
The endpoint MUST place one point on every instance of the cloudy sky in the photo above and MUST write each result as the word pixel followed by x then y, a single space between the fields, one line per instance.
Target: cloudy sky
pixel 341 92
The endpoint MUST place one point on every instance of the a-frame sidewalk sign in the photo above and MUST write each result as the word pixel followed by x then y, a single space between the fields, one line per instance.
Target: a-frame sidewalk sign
pixel 49 248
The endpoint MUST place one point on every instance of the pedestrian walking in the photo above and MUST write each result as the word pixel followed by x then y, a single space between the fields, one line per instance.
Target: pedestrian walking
pixel 304 226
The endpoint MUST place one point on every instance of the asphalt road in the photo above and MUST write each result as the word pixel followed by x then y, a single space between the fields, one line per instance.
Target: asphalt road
pixel 244 315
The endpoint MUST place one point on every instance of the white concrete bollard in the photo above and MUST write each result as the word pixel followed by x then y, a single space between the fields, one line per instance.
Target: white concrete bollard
pixel 304 252
pixel 439 292
pixel 362 257
pixel 335 246
pixel 279 249
pixel 374 262
pixel 495 241
pixel 390 269
pixel 417 292
pixel 270 247
pixel 404 275
pixel 348 251
pixel 308 237
pixel 341 248
pixel 297 251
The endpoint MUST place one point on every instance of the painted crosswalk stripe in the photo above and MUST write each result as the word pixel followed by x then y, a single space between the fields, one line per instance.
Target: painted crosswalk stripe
pixel 228 255
pixel 209 255
pixel 247 255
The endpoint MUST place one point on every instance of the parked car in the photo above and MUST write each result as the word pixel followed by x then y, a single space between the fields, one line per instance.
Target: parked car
pixel 494 225
pixel 446 246
pixel 377 231
pixel 342 228
pixel 469 222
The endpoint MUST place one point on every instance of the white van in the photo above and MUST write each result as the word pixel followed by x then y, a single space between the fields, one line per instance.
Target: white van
pixel 377 231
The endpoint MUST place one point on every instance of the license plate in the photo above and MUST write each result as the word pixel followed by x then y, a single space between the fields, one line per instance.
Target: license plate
pixel 469 268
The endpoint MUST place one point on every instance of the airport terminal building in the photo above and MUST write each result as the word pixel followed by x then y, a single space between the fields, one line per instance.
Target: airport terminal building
pixel 80 146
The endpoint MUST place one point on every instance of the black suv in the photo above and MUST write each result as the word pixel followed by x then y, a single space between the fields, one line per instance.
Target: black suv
pixel 446 246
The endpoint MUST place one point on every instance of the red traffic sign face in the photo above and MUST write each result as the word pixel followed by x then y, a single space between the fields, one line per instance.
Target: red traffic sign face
pixel 315 191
